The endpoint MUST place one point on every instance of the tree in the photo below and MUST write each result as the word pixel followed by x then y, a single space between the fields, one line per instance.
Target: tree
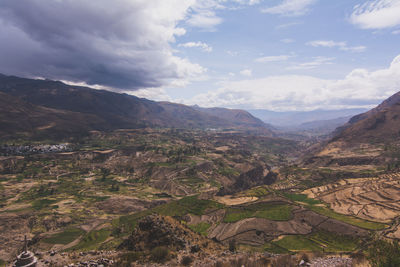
pixel 104 173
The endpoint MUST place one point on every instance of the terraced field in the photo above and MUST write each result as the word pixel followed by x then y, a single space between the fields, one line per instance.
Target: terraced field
pixel 67 200
pixel 374 199
pixel 257 231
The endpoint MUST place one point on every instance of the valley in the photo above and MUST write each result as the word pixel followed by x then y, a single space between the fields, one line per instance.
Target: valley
pixel 222 189
pixel 199 133
pixel 223 186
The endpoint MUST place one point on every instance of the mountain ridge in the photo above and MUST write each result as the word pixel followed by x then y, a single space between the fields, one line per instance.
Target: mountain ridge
pixel 115 110
pixel 296 118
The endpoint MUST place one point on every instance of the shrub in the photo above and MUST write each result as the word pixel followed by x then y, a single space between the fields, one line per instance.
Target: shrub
pixel 305 258
pixel 284 260
pixel 194 248
pixel 186 260
pixel 126 259
pixel 384 254
pixel 159 254
pixel 358 258
pixel 232 245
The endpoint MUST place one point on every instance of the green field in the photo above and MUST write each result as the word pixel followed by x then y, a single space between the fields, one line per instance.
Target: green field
pixel 348 219
pixel 92 240
pixel 187 205
pixel 127 223
pixel 301 198
pixel 65 237
pixel 298 243
pixel 259 191
pixel 274 248
pixel 312 205
pixel 42 203
pixel 200 228
pixel 271 211
pixel 334 242
pixel 318 241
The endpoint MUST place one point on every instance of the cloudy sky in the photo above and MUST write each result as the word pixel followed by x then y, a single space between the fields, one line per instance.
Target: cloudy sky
pixel 265 54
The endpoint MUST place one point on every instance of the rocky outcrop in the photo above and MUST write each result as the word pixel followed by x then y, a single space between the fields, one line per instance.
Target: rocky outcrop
pixel 163 231
pixel 257 176
pixel 154 231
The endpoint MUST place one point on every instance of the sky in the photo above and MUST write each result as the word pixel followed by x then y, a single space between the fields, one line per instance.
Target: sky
pixel 281 55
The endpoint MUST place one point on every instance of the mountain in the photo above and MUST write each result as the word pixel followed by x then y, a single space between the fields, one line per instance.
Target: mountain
pixel 328 125
pixel 90 109
pixel 296 118
pixel 381 124
pixel 238 116
pixel 21 119
pixel 369 141
pixel 319 128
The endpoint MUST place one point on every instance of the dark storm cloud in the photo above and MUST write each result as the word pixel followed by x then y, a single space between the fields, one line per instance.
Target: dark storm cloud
pixel 120 43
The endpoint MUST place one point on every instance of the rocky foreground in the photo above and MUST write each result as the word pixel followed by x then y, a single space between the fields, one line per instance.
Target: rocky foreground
pixel 163 241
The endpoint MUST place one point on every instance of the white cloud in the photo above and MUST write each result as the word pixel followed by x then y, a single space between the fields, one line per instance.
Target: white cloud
pixel 287 25
pixel 205 20
pixel 396 32
pixel 287 41
pixel 357 49
pixel 360 88
pixel 232 53
pixel 377 14
pixel 205 47
pixel 341 45
pixel 156 94
pixel 246 72
pixel 273 58
pixel 254 2
pixel 204 15
pixel 248 2
pixel 316 62
pixel 290 8
pixel 327 44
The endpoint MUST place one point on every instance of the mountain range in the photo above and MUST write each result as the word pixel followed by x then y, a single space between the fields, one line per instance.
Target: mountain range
pixel 46 108
pixel 39 107
pixel 297 119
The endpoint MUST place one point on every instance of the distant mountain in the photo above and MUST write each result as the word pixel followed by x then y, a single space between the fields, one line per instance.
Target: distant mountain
pixel 238 116
pixel 315 128
pixel 90 109
pixel 381 124
pixel 328 125
pixel 296 118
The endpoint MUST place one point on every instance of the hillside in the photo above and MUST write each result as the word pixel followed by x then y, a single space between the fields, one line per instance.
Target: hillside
pixel 115 111
pixel 369 142
pixel 380 124
pixel 239 116
pixel 21 119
